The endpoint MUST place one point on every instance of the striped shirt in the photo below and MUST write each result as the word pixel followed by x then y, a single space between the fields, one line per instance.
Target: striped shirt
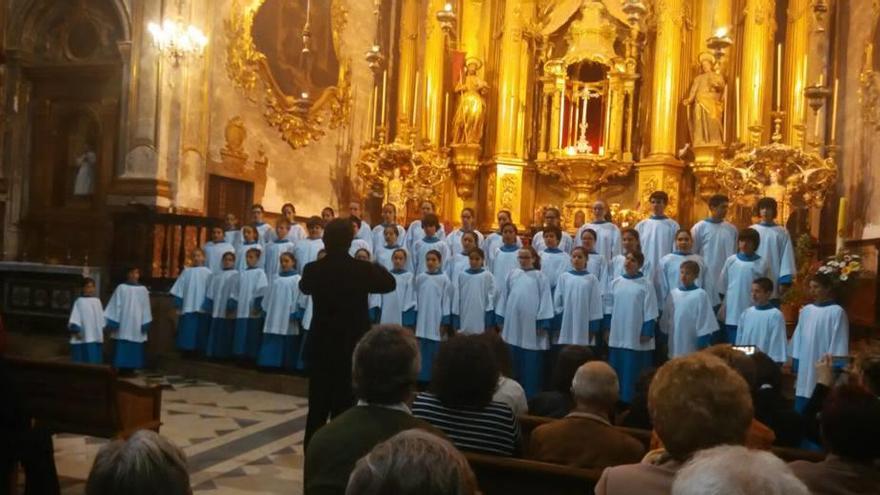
pixel 490 430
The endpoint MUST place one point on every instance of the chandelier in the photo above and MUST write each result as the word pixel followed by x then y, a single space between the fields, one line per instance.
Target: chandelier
pixel 176 41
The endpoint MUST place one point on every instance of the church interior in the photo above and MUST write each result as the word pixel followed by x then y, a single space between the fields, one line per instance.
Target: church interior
pixel 131 129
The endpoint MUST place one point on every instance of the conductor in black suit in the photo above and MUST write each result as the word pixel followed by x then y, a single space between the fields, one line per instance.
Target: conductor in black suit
pixel 339 286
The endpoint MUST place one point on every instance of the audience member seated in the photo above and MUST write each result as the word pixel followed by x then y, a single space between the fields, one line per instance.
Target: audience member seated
pixel 145 464
pixel 384 372
pixel 557 402
pixel 771 408
pixel 735 470
pixel 413 462
pixel 637 416
pixel 696 402
pixel 509 391
pixel 851 435
pixel 585 438
pixel 459 401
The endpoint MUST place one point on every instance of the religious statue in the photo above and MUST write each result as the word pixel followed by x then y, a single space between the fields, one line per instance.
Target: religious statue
pixel 707 99
pixel 84 185
pixel 470 115
pixel 779 191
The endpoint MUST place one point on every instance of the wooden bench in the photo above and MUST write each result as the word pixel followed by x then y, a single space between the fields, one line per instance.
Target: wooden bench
pixel 84 399
pixel 507 476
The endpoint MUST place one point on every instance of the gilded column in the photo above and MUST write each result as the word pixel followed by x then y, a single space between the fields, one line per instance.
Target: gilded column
pixel 406 82
pixel 756 86
pixel 434 64
pixel 797 39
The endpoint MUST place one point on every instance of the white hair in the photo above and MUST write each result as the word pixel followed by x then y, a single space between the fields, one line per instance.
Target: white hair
pixel 736 470
pixel 595 382
pixel 145 464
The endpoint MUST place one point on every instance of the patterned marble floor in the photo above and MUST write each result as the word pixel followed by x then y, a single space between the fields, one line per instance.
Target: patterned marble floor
pixel 238 442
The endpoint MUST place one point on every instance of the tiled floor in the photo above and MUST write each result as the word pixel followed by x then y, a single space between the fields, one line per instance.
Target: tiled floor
pixel 237 441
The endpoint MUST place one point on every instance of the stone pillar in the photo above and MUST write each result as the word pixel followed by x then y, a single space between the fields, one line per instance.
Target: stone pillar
pixel 434 65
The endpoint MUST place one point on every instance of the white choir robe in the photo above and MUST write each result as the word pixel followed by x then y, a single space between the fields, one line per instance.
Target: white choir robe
pixel 554 262
pixel 306 251
pixel 657 237
pixel 399 305
pixel 493 242
pixel 283 306
pixel 577 303
pixel 365 232
pixel 778 251
pixel 265 232
pixel 608 238
pixel 129 317
pixel 234 237
pixel 374 307
pixel 715 242
pixel 525 313
pixel 415 233
pixel 669 276
pixel 458 263
pixel 295 234
pixel 384 255
pixel 357 244
pixel 378 236
pixel 241 255
pixel 214 252
pixel 189 294
pixel 272 257
pixel 735 284
pixel 423 247
pixel 504 261
pixel 821 329
pixel 248 292
pixel 565 244
pixel 433 306
pixel 764 328
pixel 473 301
pixel 454 239
pixel 86 325
pixel 633 315
pixel 601 269
pixel 688 320
pixel 219 302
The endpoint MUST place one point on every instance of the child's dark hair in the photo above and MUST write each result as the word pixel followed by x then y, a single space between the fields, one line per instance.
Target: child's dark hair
pixel 633 232
pixel 479 252
pixel 88 280
pixel 638 257
pixel 285 205
pixel 364 250
pixel 717 200
pixel 684 231
pixel 257 206
pixel 131 268
pixel 399 250
pixel 750 234
pixel 354 220
pixel 435 253
pixel 228 253
pixel 506 212
pixel 511 225
pixel 764 283
pixel 551 229
pixel 768 203
pixel 331 210
pixel 392 205
pixel 288 255
pixel 661 195
pixel 314 221
pixel 431 220
pixel 253 250
pixel 691 266
pixel 391 228
pixel 535 256
pixel 823 279
pixel 591 232
pixel 583 251
pixel 471 234
pixel 469 209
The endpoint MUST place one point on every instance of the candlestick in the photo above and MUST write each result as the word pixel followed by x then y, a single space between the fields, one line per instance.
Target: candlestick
pixel 584 107
pixel 841 217
pixel 445 118
pixel 779 76
pixel 384 94
pixel 415 106
pixel 834 112
pixel 561 117
pixel 736 109
pixel 726 116
pixel 373 112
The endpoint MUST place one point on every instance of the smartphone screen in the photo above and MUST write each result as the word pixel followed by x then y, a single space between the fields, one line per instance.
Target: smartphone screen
pixel 745 349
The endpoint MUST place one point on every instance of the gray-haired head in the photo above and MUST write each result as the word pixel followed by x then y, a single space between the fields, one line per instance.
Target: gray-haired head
pixel 595 384
pixel 145 464
pixel 385 365
pixel 413 462
pixel 736 470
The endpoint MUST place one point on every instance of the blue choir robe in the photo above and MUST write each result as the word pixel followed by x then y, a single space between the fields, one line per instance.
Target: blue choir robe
pixel 214 252
pixel 385 253
pixel 374 307
pixel 86 325
pixel 234 237
pixel 248 290
pixel 265 232
pixel 657 237
pixel 735 284
pixel 608 238
pixel 399 305
pixel 492 242
pixel 357 244
pixel 777 250
pixel 688 320
pixel 764 328
pixel 378 236
pixel 669 276
pixel 241 255
pixel 423 247
pixel 306 251
pixel 282 305
pixel 577 303
pixel 220 303
pixel 454 240
pixel 415 233
pixel 189 294
pixel 128 316
pixel 433 306
pixel 822 329
pixel 554 262
pixel 565 244
pixel 715 242
pixel 525 313
pixel 473 301
pixel 272 257
pixel 634 313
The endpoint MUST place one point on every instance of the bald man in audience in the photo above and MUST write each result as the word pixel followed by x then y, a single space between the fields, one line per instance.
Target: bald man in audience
pixel 585 437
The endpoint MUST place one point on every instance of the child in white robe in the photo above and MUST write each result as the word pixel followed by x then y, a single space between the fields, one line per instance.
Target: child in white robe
pixel 715 238
pixel 633 321
pixel 399 305
pixel 629 241
pixel 688 319
pixel 215 249
pixel 776 248
pixel 128 316
pixel 232 234
pixel 283 307
pixel 495 240
pixel 505 259
pixel 273 250
pixel 307 249
pixel 577 302
pixel 374 301
pixel 296 232
pixel 362 229
pixel 669 275
pixel 554 261
pixel 189 294
pixel 763 325
pixel 415 232
pixel 359 242
pixel 823 328
pixel 657 233
pixel 389 244
pixel 389 219
pixel 553 218
pixel 434 292
pixel 264 230
pixel 247 295
pixel 473 300
pixel 430 242
pixel 596 263
pixel 608 241
pixel 460 261
pixel 525 314
pixel 249 241
pixel 221 305
pixel 86 325
pixel 735 284
pixel 468 219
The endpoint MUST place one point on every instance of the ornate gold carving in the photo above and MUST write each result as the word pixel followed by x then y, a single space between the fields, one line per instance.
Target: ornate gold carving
pixel 466 159
pixel 417 172
pixel 509 191
pixel 235 135
pixel 299 120
pixel 668 184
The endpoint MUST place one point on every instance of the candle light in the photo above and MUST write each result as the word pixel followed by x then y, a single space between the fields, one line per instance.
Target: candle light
pixel 841 217
pixel 736 109
pixel 373 112
pixel 384 94
pixel 415 105
pixel 726 116
pixel 584 99
pixel 779 77
pixel 834 112
pixel 446 118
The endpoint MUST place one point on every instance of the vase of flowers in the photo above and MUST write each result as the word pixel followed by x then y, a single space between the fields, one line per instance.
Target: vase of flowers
pixel 843 268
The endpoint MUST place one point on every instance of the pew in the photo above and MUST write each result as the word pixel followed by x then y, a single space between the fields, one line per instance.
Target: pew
pixel 508 476
pixel 83 399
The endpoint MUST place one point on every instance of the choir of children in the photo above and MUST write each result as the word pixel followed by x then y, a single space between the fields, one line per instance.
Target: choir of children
pixel 434 292
pixel 86 325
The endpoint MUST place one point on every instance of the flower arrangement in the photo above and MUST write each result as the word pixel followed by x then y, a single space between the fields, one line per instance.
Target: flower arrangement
pixel 842 267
